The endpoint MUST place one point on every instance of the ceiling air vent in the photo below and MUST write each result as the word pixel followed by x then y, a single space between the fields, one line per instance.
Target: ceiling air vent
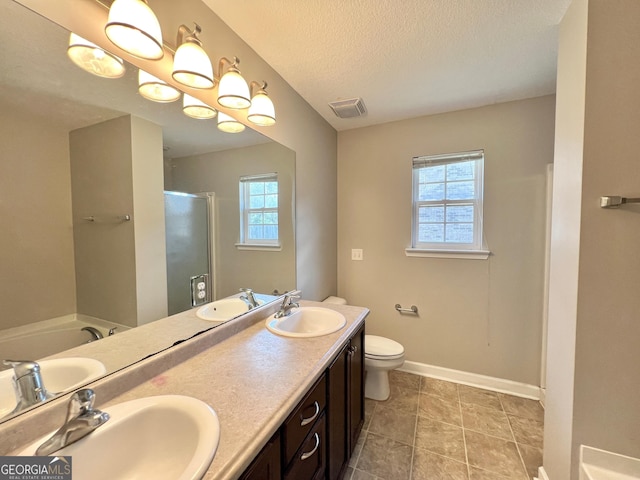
pixel 354 107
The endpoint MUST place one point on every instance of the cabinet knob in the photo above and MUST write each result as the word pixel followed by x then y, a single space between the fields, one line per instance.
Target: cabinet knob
pixel 353 349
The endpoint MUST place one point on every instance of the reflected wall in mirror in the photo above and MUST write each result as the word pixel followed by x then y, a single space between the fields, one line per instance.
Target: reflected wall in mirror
pixel 82 202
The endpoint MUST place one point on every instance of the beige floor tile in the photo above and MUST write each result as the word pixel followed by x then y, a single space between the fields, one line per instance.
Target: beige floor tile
pixel 385 458
pixel 522 407
pixel 486 420
pixel 478 396
pixel 532 457
pixel 358 449
pixel 394 424
pixel 369 408
pixel 441 438
pixel 442 388
pixel 479 474
pixel 439 408
pixel 402 399
pixel 404 380
pixel 360 475
pixel 527 430
pixel 494 454
pixel 429 466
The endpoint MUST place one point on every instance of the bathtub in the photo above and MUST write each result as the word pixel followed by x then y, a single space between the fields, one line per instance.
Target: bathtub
pixel 48 337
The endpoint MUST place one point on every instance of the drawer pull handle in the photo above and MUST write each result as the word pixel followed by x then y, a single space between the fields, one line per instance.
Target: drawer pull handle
pixel 307 421
pixel 306 455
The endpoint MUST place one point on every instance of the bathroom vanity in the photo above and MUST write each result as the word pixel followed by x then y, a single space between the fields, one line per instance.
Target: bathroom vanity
pixel 289 408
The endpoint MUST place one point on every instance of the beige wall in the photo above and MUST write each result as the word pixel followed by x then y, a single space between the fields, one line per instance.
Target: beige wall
pixel 105 250
pixel 36 244
pixel 481 316
pixel 219 172
pixel 602 409
pixel 116 169
pixel 298 126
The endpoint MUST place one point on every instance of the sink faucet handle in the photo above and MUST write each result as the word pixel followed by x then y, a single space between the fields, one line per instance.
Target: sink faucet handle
pixel 246 290
pixel 81 402
pixel 22 367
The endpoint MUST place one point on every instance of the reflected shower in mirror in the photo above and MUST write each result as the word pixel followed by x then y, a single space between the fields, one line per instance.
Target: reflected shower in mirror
pixel 82 187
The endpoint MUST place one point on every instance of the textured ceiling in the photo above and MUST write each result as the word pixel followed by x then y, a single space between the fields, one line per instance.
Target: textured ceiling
pixel 405 58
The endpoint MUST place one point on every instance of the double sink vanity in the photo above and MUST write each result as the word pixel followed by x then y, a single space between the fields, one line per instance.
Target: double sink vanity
pixel 262 396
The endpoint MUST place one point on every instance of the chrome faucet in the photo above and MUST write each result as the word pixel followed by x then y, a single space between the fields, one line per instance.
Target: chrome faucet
pixel 288 304
pixel 81 420
pixel 95 333
pixel 27 384
pixel 248 298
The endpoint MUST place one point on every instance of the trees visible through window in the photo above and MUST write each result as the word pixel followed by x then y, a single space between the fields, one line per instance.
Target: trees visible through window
pixel 259 209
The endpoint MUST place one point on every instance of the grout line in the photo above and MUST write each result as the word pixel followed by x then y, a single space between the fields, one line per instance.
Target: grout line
pixel 464 436
pixel 515 441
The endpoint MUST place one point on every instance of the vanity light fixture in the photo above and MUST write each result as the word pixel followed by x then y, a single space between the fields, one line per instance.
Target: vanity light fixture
pixel 94 59
pixel 191 64
pixel 261 111
pixel 154 89
pixel 133 27
pixel 229 124
pixel 195 108
pixel 233 91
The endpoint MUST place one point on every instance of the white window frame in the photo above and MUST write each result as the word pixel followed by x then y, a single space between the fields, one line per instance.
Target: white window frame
pixel 245 211
pixel 477 248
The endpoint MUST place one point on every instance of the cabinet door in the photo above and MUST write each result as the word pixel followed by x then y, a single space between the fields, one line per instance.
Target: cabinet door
pixel 337 450
pixel 266 466
pixel 356 388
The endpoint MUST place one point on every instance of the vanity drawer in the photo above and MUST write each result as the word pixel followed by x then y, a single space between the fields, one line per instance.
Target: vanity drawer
pixel 309 462
pixel 302 420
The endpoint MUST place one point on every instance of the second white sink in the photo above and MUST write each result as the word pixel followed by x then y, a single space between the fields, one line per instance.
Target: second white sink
pixel 167 437
pixel 307 322
pixel 58 375
pixel 224 309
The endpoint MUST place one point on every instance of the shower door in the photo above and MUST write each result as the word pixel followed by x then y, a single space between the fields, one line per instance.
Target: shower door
pixel 188 228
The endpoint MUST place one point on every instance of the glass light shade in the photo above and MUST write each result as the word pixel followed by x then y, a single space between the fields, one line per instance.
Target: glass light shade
pixel 261 111
pixel 152 88
pixel 229 124
pixel 233 91
pixel 192 67
pixel 194 108
pixel 94 59
pixel 133 27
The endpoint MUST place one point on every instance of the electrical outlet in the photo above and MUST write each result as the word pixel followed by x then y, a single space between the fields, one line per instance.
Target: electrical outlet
pixel 356 254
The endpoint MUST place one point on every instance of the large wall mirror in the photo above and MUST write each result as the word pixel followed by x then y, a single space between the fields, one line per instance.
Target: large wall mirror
pixel 88 171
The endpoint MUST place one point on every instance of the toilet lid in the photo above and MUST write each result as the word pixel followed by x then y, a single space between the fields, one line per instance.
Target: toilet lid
pixel 381 347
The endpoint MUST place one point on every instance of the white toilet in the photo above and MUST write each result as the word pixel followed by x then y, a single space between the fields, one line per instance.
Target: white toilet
pixel 380 355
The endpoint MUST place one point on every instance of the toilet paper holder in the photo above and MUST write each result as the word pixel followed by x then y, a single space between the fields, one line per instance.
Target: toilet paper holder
pixel 413 310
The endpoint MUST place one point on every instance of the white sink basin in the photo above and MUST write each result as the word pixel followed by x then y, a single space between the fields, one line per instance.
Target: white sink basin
pixel 307 322
pixel 58 375
pixel 170 437
pixel 224 309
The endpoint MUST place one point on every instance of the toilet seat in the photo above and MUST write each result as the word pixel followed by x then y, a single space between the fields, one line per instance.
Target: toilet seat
pixel 381 348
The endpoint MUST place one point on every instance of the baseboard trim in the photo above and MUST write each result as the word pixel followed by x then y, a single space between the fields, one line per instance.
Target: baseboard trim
pixel 473 379
pixel 542 475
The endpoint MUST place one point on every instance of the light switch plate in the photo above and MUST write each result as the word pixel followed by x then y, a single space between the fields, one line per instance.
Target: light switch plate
pixel 356 254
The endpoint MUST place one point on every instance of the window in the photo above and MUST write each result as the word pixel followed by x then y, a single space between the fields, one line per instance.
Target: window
pixel 259 210
pixel 447 204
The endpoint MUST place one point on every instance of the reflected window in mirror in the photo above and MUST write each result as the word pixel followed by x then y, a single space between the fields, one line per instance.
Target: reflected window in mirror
pixel 259 210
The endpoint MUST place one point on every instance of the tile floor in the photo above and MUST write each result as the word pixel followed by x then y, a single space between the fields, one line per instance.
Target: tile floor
pixel 430 429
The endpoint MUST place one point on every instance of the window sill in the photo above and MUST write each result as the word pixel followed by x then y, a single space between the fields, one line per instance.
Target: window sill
pixel 259 247
pixel 465 254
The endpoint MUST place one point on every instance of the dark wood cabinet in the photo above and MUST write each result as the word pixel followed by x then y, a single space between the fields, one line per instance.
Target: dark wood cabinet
pixel 345 380
pixel 266 465
pixel 316 441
